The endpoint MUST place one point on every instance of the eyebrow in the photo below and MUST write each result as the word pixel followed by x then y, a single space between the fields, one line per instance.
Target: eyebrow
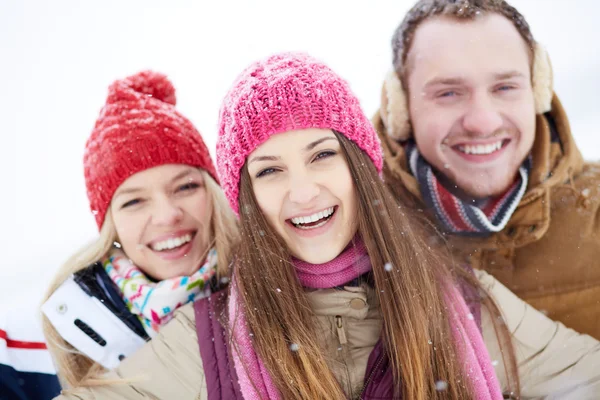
pixel 308 147
pixel 458 81
pixel 508 75
pixel 445 81
pixel 180 175
pixel 314 144
pixel 264 158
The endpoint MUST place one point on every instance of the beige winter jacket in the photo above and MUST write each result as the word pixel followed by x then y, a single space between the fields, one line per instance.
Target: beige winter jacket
pixel 554 362
pixel 549 252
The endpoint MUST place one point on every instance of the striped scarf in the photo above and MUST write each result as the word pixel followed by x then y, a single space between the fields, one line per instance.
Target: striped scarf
pixel 458 216
pixel 154 302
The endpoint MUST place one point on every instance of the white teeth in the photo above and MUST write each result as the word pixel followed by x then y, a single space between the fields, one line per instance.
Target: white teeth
pixel 172 243
pixel 481 148
pixel 313 218
pixel 312 227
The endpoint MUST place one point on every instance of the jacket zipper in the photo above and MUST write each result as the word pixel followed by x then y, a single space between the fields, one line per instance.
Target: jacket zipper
pixel 343 340
pixel 340 330
pixel 379 361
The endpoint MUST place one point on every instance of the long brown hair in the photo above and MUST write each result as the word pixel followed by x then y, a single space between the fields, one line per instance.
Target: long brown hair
pixel 416 329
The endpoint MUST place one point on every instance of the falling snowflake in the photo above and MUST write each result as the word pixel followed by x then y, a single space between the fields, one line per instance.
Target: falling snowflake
pixel 294 347
pixel 441 386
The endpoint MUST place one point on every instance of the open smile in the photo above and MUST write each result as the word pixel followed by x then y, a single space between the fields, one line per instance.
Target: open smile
pixel 173 246
pixel 481 149
pixel 313 221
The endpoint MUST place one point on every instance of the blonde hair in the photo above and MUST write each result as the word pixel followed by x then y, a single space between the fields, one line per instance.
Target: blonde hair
pixel 75 368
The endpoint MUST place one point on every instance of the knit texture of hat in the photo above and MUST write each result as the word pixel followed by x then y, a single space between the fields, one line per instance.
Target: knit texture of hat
pixel 286 92
pixel 138 129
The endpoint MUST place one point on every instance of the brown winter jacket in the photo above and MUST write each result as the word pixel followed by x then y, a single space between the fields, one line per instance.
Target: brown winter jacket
pixel 553 360
pixel 549 252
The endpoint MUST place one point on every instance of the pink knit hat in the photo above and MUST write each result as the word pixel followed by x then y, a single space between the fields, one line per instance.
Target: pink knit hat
pixel 285 92
pixel 138 129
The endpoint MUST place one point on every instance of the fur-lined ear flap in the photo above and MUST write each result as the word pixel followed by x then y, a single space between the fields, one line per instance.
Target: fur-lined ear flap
pixel 542 80
pixel 394 108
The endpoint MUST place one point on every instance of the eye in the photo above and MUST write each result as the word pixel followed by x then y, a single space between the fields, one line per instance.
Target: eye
pixel 448 93
pixel 505 88
pixel 265 172
pixel 324 154
pixel 188 186
pixel 131 203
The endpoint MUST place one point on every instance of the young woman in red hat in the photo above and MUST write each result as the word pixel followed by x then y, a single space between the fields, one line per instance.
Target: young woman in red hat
pixel 166 232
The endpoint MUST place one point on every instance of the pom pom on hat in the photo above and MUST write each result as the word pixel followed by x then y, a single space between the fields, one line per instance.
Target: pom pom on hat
pixel 147 83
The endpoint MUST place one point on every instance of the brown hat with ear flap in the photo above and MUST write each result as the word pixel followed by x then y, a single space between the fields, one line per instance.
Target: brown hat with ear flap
pixel 394 106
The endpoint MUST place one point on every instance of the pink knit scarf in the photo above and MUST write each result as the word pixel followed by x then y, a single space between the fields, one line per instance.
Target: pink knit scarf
pixel 351 263
pixel 255 381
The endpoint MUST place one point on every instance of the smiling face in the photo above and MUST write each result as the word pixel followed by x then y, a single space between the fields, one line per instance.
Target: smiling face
pixel 162 216
pixel 303 186
pixel 471 100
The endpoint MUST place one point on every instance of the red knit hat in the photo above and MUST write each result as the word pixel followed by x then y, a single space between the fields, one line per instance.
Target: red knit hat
pixel 284 92
pixel 137 129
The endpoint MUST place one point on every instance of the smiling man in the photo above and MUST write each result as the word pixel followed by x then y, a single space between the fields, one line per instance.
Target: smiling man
pixel 472 130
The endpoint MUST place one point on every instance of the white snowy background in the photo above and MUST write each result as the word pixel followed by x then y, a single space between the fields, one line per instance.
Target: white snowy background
pixel 57 59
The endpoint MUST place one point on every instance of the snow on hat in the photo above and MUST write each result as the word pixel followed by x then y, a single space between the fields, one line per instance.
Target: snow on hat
pixel 285 92
pixel 138 129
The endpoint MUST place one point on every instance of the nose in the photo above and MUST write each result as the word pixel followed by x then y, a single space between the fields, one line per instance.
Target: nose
pixel 166 213
pixel 303 190
pixel 482 117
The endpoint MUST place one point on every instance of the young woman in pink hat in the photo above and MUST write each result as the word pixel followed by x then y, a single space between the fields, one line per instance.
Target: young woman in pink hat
pixel 338 290
pixel 162 219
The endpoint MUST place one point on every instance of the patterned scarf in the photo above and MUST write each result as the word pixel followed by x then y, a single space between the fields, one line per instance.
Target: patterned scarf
pixel 155 302
pixel 255 380
pixel 457 215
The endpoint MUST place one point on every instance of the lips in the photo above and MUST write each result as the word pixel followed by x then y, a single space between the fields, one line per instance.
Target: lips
pixel 172 241
pixel 314 220
pixel 173 246
pixel 324 220
pixel 481 148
